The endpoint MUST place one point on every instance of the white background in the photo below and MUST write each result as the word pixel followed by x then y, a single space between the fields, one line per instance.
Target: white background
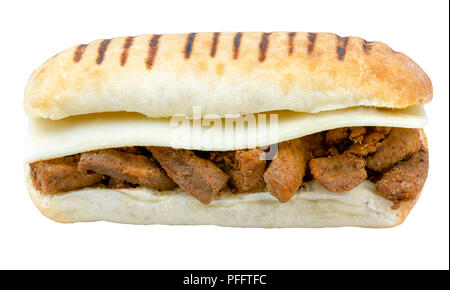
pixel 32 31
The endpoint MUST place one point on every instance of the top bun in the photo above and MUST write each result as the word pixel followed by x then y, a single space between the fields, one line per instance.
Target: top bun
pixel 248 72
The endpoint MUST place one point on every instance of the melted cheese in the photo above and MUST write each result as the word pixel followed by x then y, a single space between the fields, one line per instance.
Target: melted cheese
pixel 55 138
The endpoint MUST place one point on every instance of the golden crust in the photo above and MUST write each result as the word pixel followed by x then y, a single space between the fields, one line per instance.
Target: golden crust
pixel 250 72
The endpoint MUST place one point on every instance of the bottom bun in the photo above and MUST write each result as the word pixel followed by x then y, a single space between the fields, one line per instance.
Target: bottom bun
pixel 312 206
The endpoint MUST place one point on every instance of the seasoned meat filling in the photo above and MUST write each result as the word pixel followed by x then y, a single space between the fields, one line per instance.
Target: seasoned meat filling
pixel 406 179
pixel 114 183
pixel 357 134
pixel 339 173
pixel 339 159
pixel 132 168
pixel 369 143
pixel 245 168
pixel 286 171
pixel 61 174
pixel 314 145
pixel 197 176
pixel 336 136
pixel 398 145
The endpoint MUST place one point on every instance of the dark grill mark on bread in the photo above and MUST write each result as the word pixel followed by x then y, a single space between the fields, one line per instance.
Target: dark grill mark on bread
pixel 367 46
pixel 263 45
pixel 312 39
pixel 214 44
pixel 152 49
pixel 291 42
pixel 102 50
pixel 341 46
pixel 236 44
pixel 126 46
pixel 79 52
pixel 189 45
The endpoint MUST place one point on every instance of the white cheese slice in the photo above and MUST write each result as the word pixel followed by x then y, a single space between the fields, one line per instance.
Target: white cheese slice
pixel 55 138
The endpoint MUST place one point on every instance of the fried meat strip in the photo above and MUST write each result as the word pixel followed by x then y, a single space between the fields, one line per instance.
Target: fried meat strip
pixel 406 179
pixel 286 171
pixel 357 134
pixel 399 144
pixel 369 143
pixel 339 173
pixel 245 168
pixel 114 183
pixel 197 176
pixel 60 175
pixel 336 136
pixel 132 168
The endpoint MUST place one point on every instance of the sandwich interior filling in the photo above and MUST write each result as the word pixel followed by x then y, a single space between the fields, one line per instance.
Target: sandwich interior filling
pixel 339 159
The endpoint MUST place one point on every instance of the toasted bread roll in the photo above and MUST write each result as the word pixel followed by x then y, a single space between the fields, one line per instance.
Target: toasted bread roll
pixel 338 104
pixel 244 72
